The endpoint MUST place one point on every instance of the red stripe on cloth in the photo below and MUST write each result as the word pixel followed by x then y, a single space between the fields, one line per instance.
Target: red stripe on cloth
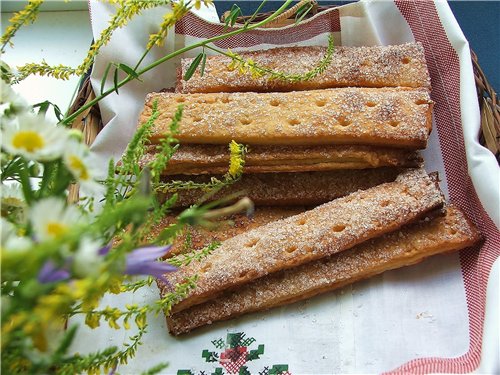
pixel 476 263
pixel 326 22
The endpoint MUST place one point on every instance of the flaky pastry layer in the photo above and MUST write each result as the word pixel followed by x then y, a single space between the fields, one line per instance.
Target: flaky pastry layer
pixel 375 66
pixel 389 117
pixel 328 229
pixel 407 246
pixel 214 159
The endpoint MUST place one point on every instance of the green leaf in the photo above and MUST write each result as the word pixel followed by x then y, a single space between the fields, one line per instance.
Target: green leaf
pixel 127 69
pixel 233 16
pixel 192 68
pixel 105 75
pixel 203 61
pixel 115 80
pixel 302 12
pixel 43 107
pixel 249 21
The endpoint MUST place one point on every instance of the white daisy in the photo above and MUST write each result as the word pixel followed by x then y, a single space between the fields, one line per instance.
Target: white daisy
pixel 51 218
pixel 87 260
pixel 82 165
pixel 12 195
pixel 10 239
pixel 34 137
pixel 12 201
pixel 10 102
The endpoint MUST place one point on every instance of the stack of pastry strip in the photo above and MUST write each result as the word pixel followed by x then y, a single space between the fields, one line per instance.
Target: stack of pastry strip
pixel 343 137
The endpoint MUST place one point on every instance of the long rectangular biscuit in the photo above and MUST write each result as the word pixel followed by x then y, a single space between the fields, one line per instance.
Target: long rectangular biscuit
pixel 289 189
pixel 376 66
pixel 391 117
pixel 214 159
pixel 328 229
pixel 197 237
pixel 407 246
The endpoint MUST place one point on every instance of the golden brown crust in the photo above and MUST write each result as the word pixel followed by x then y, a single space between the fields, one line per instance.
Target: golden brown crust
pixel 376 66
pixel 328 229
pixel 391 117
pixel 407 246
pixel 290 189
pixel 195 238
pixel 214 159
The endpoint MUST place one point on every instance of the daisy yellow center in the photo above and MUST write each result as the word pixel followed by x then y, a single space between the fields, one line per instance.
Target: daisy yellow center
pixel 29 140
pixel 56 229
pixel 78 166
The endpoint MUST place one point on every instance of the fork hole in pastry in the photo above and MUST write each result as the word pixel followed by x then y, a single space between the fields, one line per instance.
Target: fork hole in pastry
pixel 321 102
pixel 245 121
pixel 181 100
pixel 421 101
pixel 246 273
pixel 196 119
pixel 452 231
pixel 301 222
pixel 291 249
pixel 274 102
pixel 293 121
pixel 338 228
pixel 252 242
pixel 371 104
pixel 308 249
pixel 225 99
pixel 394 123
pixel 206 267
pixel 384 203
pixel 405 60
pixel 343 121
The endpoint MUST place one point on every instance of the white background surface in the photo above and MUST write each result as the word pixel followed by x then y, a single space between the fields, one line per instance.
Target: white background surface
pixel 63 37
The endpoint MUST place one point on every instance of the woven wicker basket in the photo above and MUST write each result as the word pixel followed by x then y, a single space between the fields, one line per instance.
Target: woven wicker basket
pixel 90 122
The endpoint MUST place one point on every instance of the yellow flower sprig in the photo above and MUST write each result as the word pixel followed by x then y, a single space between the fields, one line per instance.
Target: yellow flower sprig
pixel 249 66
pixel 23 17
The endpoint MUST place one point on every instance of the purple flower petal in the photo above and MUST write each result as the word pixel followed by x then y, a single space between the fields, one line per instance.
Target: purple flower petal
pixel 104 250
pixel 143 261
pixel 149 253
pixel 49 273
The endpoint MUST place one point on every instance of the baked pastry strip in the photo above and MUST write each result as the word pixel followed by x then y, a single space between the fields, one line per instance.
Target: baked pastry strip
pixel 407 246
pixel 376 66
pixel 214 159
pixel 325 230
pixel 289 189
pixel 391 117
pixel 197 237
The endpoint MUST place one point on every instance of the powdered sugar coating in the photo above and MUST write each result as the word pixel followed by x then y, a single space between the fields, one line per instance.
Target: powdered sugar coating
pixel 328 229
pixel 392 117
pixel 375 66
pixel 401 248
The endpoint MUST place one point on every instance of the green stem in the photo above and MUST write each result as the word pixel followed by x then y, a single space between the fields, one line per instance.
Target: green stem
pixel 129 78
pixel 48 169
pixel 24 175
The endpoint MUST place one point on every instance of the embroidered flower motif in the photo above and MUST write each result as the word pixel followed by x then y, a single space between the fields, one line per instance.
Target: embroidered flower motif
pixel 51 218
pixel 33 137
pixel 232 359
pixel 81 164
